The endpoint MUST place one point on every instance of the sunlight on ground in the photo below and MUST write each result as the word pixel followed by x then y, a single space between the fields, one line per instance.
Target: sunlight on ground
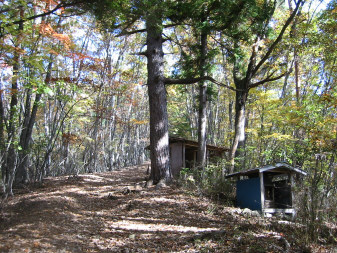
pixel 138 226
pixel 166 200
pixel 96 179
pixel 267 234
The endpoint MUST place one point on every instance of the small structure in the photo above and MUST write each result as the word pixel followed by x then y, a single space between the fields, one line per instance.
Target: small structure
pixel 267 189
pixel 183 153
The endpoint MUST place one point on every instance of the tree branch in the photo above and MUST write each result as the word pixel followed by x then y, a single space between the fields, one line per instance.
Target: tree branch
pixel 4 10
pixel 124 32
pixel 221 84
pixel 279 38
pixel 252 60
pixel 57 7
pixel 169 81
pixel 268 79
pixel 140 53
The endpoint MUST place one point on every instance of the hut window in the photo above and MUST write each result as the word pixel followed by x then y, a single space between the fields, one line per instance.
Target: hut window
pixel 282 177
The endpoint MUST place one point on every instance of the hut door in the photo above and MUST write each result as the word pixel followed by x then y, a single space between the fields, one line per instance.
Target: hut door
pixel 189 157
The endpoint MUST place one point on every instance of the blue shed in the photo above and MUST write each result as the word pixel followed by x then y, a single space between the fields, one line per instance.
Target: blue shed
pixel 267 189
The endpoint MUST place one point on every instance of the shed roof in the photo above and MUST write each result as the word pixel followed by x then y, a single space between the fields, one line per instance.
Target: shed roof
pixel 174 139
pixel 280 167
pixel 190 143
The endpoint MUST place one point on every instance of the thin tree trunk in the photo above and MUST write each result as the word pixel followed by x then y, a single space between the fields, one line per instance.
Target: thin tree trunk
pixel 297 75
pixel 293 32
pixel 216 121
pixel 2 134
pixel 286 78
pixel 21 176
pixel 11 159
pixel 190 112
pixel 230 115
pixel 12 154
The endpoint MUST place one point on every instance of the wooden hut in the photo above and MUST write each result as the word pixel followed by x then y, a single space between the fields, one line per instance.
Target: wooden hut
pixel 267 189
pixel 183 153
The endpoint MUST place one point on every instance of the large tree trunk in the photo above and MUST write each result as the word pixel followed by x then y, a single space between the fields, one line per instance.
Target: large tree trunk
pixel 240 120
pixel 159 138
pixel 202 120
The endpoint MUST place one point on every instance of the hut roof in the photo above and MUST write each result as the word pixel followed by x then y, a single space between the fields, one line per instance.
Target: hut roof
pixel 191 143
pixel 280 167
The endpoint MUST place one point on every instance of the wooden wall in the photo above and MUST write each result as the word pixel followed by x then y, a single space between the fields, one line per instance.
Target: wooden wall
pixel 177 153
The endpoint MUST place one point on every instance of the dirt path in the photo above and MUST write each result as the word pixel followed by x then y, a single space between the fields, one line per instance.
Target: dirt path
pixel 110 212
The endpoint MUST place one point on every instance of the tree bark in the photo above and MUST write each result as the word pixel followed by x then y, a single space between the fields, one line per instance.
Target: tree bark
pixel 12 154
pixel 3 150
pixel 297 75
pixel 22 176
pixel 2 127
pixel 202 119
pixel 296 56
pixel 11 158
pixel 240 120
pixel 159 138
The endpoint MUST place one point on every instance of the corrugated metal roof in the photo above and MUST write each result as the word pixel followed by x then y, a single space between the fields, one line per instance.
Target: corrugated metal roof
pixel 281 167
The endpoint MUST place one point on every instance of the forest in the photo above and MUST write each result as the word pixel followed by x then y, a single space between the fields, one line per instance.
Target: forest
pixel 99 85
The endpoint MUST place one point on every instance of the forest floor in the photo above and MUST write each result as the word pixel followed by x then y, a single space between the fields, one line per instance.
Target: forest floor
pixel 111 212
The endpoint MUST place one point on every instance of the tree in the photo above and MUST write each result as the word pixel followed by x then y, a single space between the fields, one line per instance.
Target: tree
pixel 152 13
pixel 10 157
pixel 159 139
pixel 28 84
pixel 196 14
pixel 204 20
pixel 244 76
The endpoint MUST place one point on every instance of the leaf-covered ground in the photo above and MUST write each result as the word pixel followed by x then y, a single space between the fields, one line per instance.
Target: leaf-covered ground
pixel 111 212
